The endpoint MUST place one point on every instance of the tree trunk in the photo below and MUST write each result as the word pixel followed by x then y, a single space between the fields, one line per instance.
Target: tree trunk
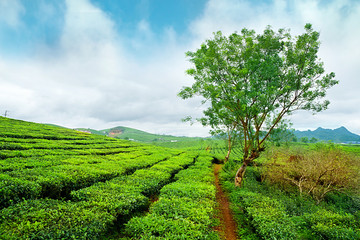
pixel 229 149
pixel 239 177
pixel 228 155
pixel 240 174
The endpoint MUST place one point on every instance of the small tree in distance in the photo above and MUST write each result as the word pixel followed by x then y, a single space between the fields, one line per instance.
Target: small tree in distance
pixel 222 124
pixel 304 139
pixel 254 80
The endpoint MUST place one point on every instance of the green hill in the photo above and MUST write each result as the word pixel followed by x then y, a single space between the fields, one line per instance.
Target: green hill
pixel 136 135
pixel 338 135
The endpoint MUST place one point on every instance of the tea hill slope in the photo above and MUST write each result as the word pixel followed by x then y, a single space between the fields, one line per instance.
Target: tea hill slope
pixel 57 183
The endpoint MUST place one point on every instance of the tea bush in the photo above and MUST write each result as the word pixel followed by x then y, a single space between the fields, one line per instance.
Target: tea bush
pixel 56 183
pixel 267 211
pixel 53 219
pixel 185 209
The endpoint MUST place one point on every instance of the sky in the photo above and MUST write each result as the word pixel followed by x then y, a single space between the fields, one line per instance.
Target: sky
pixel 105 63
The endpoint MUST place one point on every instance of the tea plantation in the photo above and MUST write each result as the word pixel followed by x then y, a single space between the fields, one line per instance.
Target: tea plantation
pixel 266 210
pixel 57 183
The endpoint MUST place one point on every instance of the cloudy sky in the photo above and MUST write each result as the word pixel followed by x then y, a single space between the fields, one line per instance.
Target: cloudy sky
pixel 104 63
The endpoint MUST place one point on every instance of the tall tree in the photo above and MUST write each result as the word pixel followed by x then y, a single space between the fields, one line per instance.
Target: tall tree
pixel 257 79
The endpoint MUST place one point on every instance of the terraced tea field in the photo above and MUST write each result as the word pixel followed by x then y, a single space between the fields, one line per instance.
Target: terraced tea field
pixel 57 183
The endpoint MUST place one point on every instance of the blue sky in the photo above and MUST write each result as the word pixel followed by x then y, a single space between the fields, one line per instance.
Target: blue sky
pixel 160 13
pixel 103 63
pixel 30 24
pixel 41 22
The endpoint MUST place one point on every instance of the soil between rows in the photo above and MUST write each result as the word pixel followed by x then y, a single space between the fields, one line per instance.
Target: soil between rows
pixel 227 224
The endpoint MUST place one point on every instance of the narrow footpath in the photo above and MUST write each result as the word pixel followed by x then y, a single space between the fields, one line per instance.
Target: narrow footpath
pixel 227 224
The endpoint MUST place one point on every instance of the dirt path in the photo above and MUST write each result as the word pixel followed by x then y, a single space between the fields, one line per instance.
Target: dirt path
pixel 227 224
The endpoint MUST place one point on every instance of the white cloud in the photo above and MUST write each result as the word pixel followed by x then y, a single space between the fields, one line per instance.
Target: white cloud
pixel 337 22
pixel 87 29
pixel 10 12
pixel 89 80
pixel 92 79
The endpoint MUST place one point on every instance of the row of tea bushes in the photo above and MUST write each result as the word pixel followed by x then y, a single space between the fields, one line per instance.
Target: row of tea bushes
pixel 38 161
pixel 73 173
pixel 25 144
pixel 20 163
pixel 264 211
pixel 53 219
pixel 93 210
pixel 185 209
pixel 4 154
pixel 11 128
pixel 123 195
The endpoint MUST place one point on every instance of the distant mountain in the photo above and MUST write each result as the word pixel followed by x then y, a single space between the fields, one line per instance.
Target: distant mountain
pixel 338 135
pixel 134 134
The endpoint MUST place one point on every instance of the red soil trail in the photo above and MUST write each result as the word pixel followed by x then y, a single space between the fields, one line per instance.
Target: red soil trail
pixel 227 224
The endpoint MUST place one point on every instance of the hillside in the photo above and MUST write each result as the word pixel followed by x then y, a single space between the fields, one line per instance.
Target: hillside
pixel 58 183
pixel 338 135
pixel 136 135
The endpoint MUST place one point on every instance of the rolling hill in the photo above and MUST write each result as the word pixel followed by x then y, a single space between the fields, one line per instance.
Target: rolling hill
pixel 338 135
pixel 135 135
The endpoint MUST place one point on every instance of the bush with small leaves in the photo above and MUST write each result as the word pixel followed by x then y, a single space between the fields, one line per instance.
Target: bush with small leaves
pixel 53 219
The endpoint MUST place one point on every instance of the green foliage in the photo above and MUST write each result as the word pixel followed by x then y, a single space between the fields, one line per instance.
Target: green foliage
pixel 282 136
pixel 125 195
pixel 13 190
pixel 304 139
pixel 251 81
pixel 197 211
pixel 52 219
pixel 95 183
pixel 266 211
pixel 325 224
pixel 45 161
pixel 185 208
pixel 265 214
pixel 268 217
pixel 161 227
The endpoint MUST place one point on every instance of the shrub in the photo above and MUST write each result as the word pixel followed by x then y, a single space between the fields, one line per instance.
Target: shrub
pixel 317 172
pixel 198 211
pixel 159 227
pixel 191 189
pixel 14 190
pixel 325 224
pixel 258 214
pixel 125 195
pixel 184 210
pixel 53 219
pixel 268 216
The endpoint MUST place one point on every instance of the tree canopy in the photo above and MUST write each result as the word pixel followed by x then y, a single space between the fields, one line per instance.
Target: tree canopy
pixel 253 80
